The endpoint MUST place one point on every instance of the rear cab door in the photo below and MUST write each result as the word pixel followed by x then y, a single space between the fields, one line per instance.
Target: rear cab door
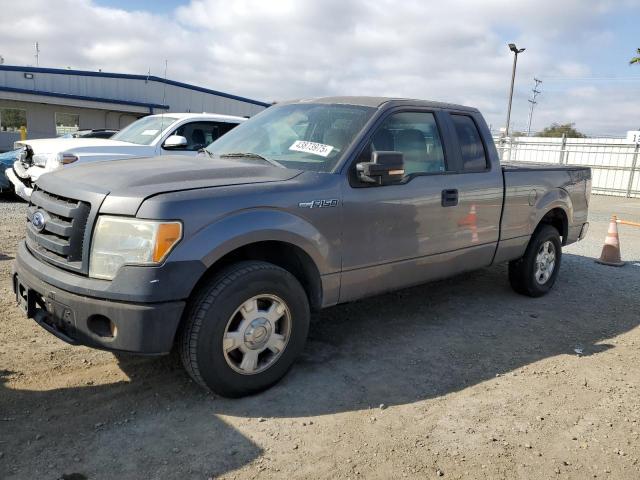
pixel 478 179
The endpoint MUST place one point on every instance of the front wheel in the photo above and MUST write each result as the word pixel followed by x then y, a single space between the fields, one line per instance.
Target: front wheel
pixel 245 329
pixel 535 273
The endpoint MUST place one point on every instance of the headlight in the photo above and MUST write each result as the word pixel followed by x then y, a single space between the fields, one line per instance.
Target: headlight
pixel 41 159
pixel 121 241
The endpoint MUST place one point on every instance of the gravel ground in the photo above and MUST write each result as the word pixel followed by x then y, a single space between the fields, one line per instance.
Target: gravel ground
pixel 456 379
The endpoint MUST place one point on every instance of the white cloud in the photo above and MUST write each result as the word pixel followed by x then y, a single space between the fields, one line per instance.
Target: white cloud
pixel 453 51
pixel 587 92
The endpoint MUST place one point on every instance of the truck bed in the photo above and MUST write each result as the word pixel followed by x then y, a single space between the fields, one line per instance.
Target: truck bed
pixel 528 166
pixel 529 186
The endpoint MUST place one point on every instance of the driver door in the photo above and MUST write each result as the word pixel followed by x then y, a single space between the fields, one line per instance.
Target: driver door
pixel 410 232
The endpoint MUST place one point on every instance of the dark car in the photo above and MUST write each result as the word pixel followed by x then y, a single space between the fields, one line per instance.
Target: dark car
pixel 6 161
pixel 94 133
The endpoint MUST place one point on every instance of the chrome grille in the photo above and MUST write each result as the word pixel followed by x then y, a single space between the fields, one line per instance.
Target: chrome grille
pixel 60 240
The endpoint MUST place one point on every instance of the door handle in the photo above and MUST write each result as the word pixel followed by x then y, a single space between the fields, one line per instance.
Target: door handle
pixel 449 198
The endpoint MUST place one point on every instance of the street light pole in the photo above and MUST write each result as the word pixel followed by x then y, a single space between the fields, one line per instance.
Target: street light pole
pixel 516 51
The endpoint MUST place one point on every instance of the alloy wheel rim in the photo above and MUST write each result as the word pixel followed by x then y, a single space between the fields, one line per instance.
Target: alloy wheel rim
pixel 256 334
pixel 545 262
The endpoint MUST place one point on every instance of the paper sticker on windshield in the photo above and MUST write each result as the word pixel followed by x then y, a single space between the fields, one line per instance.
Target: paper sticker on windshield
pixel 311 147
pixel 149 132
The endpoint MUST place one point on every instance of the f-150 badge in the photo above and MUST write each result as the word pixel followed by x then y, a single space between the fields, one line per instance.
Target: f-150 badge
pixel 319 203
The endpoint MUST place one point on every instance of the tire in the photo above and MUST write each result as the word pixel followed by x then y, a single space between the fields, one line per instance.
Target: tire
pixel 529 278
pixel 248 307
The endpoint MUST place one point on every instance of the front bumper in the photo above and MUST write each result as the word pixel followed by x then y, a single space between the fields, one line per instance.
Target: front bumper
pixel 22 190
pixel 576 233
pixel 145 328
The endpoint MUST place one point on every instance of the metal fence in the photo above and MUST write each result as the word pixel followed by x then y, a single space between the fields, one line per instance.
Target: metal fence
pixel 613 161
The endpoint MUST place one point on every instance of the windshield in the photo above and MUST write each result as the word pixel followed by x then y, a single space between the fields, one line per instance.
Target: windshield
pixel 301 135
pixel 145 130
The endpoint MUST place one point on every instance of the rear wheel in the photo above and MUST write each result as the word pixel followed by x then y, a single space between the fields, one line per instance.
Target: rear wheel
pixel 535 273
pixel 245 329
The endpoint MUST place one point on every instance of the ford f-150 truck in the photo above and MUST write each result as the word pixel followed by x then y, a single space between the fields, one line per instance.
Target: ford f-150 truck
pixel 308 204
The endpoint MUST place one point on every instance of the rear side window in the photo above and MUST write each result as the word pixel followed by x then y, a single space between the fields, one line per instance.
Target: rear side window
pixel 473 155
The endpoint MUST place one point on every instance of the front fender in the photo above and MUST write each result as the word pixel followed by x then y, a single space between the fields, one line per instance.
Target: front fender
pixel 236 230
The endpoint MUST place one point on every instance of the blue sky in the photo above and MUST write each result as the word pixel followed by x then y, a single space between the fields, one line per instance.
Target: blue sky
pixel 157 6
pixel 608 58
pixel 271 50
pixel 614 58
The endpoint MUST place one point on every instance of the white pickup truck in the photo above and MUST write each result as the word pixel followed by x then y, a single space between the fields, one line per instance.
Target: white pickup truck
pixel 151 136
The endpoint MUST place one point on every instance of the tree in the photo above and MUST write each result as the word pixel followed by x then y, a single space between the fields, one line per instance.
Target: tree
pixel 635 59
pixel 11 119
pixel 558 129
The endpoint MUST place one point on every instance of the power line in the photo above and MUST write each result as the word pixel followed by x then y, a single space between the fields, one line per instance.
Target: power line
pixel 534 94
pixel 591 78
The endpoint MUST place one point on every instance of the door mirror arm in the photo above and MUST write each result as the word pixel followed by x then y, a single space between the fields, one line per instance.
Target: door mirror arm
pixel 385 168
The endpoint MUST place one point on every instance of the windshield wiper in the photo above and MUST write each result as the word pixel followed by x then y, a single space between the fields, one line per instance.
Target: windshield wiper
pixel 207 152
pixel 252 155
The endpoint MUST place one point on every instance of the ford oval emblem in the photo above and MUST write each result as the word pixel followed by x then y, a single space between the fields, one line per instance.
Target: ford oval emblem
pixel 38 221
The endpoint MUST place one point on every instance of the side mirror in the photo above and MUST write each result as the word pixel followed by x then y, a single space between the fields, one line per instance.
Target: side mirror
pixel 175 142
pixel 384 168
pixel 25 156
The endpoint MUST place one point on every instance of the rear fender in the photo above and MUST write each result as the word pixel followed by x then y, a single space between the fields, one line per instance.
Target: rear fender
pixel 552 199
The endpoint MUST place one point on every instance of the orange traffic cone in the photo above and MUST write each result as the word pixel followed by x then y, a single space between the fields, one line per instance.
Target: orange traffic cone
pixel 474 224
pixel 471 221
pixel 611 250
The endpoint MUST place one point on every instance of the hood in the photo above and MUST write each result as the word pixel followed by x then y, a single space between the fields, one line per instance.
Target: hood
pixel 128 182
pixel 78 145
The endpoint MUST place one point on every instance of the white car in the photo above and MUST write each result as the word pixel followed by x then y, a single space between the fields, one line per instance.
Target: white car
pixel 154 135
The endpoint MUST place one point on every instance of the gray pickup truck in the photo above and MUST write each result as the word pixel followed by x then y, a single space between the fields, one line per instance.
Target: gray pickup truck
pixel 309 204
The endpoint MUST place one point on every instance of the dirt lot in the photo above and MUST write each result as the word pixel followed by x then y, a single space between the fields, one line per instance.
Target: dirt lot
pixel 460 379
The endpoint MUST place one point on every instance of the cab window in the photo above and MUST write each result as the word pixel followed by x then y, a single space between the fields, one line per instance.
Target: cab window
pixel 471 147
pixel 201 134
pixel 416 136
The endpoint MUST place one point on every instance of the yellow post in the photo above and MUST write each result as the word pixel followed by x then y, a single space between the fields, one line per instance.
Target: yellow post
pixel 23 133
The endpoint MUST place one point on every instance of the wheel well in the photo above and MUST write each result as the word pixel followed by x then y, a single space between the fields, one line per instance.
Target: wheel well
pixel 557 218
pixel 285 255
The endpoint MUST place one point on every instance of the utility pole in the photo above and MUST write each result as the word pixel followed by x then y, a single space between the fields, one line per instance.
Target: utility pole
pixel 516 51
pixel 535 92
pixel 37 55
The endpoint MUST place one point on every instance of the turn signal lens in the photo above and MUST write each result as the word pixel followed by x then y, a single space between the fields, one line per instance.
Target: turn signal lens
pixel 168 235
pixel 68 158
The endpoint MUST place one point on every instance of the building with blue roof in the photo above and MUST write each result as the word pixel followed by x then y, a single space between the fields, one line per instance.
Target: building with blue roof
pixel 49 102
